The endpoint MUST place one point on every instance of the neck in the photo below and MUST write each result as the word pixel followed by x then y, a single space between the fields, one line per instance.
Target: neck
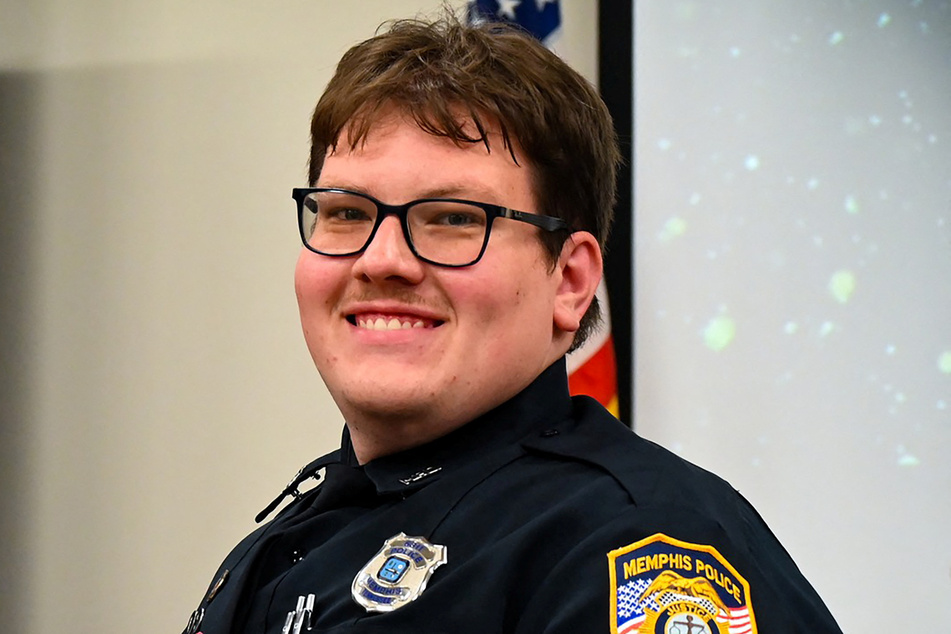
pixel 373 437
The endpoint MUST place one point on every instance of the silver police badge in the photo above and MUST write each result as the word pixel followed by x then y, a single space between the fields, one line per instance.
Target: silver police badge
pixel 397 574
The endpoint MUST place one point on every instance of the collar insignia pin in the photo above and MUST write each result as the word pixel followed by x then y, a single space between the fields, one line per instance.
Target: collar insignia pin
pixel 421 475
pixel 397 574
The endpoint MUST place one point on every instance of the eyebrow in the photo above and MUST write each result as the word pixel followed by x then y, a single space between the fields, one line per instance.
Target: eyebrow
pixel 456 189
pixel 449 190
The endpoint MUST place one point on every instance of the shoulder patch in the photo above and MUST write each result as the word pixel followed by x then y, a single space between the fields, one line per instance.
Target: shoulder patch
pixel 661 585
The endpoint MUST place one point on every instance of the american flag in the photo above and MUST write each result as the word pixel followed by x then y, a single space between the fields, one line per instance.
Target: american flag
pixel 541 18
pixel 592 369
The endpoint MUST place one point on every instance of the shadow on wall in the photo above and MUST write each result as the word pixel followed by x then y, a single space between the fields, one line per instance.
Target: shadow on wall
pixel 19 98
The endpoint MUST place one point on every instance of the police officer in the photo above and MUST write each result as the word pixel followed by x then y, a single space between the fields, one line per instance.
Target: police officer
pixel 462 184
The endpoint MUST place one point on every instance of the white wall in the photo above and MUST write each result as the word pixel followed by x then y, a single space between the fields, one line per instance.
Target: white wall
pixel 157 391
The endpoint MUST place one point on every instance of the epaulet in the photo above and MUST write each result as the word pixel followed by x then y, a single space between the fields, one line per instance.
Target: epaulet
pixel 641 467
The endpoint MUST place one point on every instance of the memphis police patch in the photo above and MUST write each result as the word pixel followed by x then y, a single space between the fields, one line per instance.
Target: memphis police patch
pixel 661 585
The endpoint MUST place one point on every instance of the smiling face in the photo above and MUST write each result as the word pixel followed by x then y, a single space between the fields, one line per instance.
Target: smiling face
pixel 410 350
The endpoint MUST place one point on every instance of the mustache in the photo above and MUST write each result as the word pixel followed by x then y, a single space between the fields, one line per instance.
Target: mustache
pixel 399 295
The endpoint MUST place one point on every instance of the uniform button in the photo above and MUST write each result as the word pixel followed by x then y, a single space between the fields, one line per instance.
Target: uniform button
pixel 548 433
pixel 296 556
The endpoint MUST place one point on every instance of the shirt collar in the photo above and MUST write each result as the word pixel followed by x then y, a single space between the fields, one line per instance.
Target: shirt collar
pixel 541 405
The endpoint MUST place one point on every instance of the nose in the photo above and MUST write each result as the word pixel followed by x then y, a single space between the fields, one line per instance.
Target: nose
pixel 388 256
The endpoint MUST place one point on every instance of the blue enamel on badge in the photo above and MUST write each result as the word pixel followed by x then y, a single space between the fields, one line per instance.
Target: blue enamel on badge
pixel 662 585
pixel 397 574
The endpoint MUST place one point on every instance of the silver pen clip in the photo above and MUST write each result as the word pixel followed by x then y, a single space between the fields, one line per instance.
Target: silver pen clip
pixel 304 614
pixel 288 622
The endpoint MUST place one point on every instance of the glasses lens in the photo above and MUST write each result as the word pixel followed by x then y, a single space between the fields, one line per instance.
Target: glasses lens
pixel 447 232
pixel 335 223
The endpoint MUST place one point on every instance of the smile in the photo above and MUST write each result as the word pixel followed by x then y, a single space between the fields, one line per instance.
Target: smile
pixel 391 322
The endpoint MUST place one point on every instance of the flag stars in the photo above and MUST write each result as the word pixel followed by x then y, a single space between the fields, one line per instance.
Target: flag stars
pixel 507 8
pixel 541 18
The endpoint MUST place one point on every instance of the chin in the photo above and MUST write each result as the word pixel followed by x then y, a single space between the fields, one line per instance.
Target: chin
pixel 381 403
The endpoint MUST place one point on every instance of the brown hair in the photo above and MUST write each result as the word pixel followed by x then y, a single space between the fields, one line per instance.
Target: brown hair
pixel 493 74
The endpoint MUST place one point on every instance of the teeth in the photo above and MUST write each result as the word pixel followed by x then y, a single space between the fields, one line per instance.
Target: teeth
pixel 392 324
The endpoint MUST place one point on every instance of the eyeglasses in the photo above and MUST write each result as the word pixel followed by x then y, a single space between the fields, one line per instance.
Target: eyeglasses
pixel 442 231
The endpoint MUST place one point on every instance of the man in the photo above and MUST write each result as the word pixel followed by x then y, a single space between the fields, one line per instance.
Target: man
pixel 462 181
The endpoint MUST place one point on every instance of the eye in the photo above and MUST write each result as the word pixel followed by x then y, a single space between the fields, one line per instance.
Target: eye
pixel 448 215
pixel 456 218
pixel 345 214
pixel 342 209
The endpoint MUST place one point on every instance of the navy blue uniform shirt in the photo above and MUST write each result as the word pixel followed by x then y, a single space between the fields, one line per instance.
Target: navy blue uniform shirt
pixel 545 515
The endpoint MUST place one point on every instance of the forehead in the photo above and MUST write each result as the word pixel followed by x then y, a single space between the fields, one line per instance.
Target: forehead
pixel 460 123
pixel 394 155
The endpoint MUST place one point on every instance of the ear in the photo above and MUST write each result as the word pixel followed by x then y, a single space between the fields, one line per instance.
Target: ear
pixel 580 268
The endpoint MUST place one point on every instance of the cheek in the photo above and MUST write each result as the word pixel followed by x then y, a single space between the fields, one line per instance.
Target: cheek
pixel 302 274
pixel 314 286
pixel 315 281
pixel 517 307
pixel 316 305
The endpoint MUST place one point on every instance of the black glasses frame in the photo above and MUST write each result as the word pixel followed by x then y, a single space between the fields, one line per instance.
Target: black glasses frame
pixel 546 223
